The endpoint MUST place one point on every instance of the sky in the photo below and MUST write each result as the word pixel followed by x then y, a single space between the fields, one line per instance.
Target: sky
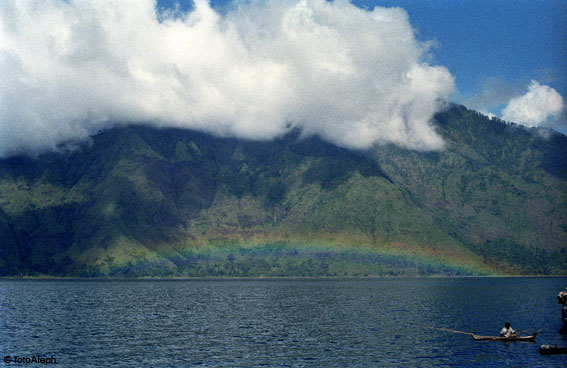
pixel 357 75
pixel 514 40
pixel 494 48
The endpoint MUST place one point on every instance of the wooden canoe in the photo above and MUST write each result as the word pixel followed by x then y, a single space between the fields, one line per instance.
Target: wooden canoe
pixel 552 349
pixel 501 338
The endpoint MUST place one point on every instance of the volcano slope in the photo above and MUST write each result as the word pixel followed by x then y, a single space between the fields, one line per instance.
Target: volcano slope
pixel 141 201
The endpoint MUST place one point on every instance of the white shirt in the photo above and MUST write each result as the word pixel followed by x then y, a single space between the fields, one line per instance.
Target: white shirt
pixel 507 332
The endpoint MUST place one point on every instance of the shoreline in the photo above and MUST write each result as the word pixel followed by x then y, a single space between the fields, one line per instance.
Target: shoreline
pixel 266 278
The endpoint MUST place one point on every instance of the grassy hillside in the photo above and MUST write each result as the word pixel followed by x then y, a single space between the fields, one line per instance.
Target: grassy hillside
pixel 145 201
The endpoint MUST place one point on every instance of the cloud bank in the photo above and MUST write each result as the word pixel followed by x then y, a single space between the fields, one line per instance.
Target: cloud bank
pixel 354 77
pixel 536 107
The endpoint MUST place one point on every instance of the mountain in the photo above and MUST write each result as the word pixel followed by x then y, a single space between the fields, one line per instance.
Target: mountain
pixel 142 201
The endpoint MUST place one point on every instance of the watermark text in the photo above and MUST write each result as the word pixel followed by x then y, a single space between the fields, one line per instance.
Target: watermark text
pixel 36 359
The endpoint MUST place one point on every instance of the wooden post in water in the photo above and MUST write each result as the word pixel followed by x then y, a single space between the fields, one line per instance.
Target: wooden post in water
pixel 562 299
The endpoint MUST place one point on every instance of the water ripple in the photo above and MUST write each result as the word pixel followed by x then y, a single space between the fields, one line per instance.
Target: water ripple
pixel 278 323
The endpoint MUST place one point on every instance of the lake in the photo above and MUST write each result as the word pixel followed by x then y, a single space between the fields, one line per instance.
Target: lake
pixel 279 323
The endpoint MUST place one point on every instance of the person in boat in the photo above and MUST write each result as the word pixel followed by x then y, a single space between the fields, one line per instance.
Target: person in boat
pixel 508 331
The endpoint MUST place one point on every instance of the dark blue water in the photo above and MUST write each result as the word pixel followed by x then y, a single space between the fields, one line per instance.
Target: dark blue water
pixel 280 323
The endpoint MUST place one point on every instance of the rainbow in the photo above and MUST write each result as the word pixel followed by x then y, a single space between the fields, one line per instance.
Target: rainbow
pixel 282 258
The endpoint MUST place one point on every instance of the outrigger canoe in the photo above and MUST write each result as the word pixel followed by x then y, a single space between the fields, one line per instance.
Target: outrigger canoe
pixel 501 338
pixel 493 338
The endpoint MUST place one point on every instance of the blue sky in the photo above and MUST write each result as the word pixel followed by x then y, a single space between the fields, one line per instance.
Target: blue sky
pixel 516 41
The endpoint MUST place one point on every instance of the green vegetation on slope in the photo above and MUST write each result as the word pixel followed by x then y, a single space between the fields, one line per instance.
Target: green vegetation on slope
pixel 144 201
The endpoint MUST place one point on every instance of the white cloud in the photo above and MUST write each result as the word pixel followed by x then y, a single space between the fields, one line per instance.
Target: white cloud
pixel 536 107
pixel 354 77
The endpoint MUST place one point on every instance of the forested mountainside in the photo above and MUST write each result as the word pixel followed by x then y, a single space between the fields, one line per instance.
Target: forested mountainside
pixel 141 201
